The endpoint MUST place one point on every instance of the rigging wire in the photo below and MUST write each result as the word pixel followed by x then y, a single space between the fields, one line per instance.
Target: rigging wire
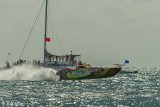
pixel 60 45
pixel 31 30
pixel 50 23
pixel 54 45
pixel 70 30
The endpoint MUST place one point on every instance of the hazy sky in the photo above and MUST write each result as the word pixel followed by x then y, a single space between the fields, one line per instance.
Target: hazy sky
pixel 104 32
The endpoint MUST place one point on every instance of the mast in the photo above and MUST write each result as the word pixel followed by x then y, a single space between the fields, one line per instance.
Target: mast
pixel 45 35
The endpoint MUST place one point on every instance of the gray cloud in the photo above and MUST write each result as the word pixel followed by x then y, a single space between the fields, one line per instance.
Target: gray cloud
pixel 106 31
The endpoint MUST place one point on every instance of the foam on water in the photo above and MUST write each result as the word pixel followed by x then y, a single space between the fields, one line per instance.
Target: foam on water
pixel 122 90
pixel 28 72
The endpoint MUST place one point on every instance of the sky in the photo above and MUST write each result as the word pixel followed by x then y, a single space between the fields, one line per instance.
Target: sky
pixel 104 32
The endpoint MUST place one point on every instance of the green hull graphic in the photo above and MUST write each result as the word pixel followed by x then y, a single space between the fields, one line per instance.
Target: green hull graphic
pixel 87 73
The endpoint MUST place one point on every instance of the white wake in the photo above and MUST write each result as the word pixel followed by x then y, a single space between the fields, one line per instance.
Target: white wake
pixel 29 72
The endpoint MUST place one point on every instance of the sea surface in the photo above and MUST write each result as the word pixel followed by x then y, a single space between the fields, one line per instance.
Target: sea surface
pixel 38 87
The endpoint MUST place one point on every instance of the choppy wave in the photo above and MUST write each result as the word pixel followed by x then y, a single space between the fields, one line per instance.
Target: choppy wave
pixel 123 90
pixel 142 69
pixel 28 72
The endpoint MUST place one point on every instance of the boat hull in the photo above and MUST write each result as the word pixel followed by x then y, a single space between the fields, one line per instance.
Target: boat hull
pixel 87 73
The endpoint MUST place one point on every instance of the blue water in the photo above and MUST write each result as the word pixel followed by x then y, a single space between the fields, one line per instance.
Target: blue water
pixel 123 90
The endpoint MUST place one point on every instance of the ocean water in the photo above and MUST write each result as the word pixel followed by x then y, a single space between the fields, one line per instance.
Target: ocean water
pixel 38 87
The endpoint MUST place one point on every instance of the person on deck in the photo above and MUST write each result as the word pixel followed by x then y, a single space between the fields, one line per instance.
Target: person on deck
pixel 80 65
pixel 67 58
pixel 7 65
pixel 38 62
